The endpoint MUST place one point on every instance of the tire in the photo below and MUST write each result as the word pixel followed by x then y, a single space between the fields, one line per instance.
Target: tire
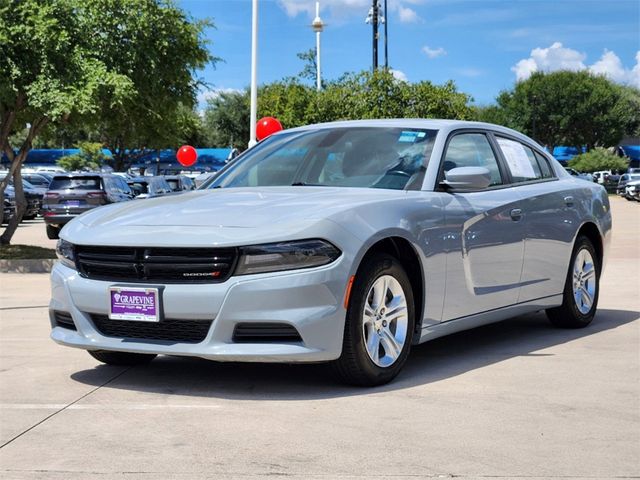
pixel 121 358
pixel 29 217
pixel 573 313
pixel 53 232
pixel 356 366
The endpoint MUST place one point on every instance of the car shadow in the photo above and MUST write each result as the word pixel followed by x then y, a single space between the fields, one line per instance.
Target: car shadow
pixel 430 362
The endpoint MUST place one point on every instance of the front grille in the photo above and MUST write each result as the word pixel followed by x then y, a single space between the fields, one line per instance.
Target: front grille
pixel 265 333
pixel 168 330
pixel 164 265
pixel 64 320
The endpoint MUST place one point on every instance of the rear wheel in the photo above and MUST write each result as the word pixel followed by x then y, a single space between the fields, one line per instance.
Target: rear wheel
pixel 379 324
pixel 581 289
pixel 53 232
pixel 121 358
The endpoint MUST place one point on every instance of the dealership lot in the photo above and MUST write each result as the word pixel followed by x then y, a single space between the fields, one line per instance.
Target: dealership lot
pixel 515 399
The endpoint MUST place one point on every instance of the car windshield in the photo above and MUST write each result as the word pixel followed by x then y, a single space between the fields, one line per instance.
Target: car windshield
pixel 369 157
pixel 75 183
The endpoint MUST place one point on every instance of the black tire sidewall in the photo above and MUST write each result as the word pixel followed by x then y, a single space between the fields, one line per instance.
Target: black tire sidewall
pixel 372 269
pixel 582 243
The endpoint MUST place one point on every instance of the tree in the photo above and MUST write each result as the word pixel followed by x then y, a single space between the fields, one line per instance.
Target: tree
pixel 598 159
pixel 226 119
pixel 353 96
pixel 310 69
pixel 90 157
pixel 568 108
pixel 119 67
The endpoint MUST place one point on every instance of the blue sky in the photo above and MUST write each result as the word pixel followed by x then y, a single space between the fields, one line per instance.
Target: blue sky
pixel 482 45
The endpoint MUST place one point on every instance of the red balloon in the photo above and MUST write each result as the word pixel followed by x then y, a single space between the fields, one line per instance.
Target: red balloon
pixel 187 155
pixel 267 126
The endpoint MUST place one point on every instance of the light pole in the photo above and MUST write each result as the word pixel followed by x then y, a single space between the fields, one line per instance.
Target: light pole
pixel 318 26
pixel 254 73
pixel 374 18
pixel 386 50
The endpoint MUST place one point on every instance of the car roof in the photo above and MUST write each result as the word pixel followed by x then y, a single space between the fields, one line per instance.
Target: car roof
pixel 428 124
pixel 80 174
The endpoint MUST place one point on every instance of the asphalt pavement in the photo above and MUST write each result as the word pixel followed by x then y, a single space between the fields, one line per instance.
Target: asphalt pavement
pixel 518 399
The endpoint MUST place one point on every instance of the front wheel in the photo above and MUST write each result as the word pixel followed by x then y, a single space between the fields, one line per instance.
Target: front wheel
pixel 379 323
pixel 582 287
pixel 121 358
pixel 53 232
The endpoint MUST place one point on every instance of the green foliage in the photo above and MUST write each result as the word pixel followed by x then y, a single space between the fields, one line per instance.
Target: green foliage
pixel 598 159
pixel 226 119
pixel 119 69
pixel 354 96
pixel 90 157
pixel 570 108
pixel 310 69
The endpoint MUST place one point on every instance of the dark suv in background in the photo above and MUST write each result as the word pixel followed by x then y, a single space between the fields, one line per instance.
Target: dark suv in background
pixel 71 194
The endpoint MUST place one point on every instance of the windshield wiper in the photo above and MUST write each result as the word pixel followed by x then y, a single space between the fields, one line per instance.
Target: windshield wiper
pixel 304 184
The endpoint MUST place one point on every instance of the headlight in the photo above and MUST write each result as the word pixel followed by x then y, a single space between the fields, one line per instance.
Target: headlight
pixel 66 254
pixel 275 257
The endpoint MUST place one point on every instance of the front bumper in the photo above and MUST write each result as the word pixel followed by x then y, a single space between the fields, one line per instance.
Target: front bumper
pixel 310 300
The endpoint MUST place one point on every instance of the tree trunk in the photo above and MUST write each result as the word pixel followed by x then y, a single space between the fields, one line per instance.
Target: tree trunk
pixel 16 174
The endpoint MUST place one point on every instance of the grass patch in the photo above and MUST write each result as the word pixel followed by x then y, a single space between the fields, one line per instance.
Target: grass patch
pixel 25 252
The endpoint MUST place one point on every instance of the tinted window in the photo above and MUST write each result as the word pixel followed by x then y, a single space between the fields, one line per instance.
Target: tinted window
pixel 368 157
pixel 174 183
pixel 545 168
pixel 472 150
pixel 76 183
pixel 139 187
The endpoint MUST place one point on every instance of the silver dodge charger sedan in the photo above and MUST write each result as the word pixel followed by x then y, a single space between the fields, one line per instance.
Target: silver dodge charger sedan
pixel 344 243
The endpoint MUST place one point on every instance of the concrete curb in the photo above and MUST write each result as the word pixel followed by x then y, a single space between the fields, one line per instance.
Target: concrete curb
pixel 27 266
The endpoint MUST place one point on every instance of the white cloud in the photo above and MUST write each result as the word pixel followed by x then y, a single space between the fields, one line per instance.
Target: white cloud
pixel 399 75
pixel 557 57
pixel 434 52
pixel 407 15
pixel 206 95
pixel 611 66
pixel 338 11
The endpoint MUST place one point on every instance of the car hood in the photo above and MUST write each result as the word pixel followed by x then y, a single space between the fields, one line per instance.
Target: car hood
pixel 220 216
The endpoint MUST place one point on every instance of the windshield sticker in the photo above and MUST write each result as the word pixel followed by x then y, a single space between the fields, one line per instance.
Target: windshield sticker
pixel 409 137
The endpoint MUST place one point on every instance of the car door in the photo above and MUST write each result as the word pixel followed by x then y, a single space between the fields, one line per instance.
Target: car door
pixel 550 215
pixel 484 232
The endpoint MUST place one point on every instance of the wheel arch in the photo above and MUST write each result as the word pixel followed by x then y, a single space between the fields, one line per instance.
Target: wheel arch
pixel 592 232
pixel 407 254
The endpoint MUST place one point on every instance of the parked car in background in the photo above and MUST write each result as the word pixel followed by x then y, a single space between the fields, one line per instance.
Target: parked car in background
pixel 33 195
pixel 584 176
pixel 149 187
pixel 8 206
pixel 632 190
pixel 346 242
pixel 38 180
pixel 179 183
pixel 601 176
pixel 624 179
pixel 71 194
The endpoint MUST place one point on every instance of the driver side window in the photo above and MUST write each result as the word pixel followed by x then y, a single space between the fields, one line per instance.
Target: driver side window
pixel 472 150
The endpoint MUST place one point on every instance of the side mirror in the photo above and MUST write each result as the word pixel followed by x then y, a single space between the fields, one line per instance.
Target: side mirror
pixel 466 179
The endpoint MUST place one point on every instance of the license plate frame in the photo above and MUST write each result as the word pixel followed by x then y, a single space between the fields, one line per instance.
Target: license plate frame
pixel 72 203
pixel 135 304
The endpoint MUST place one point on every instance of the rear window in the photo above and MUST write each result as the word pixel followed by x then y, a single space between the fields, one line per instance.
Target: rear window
pixel 174 184
pixel 76 183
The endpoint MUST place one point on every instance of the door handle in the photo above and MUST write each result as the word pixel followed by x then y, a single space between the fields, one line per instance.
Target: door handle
pixel 516 214
pixel 568 200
